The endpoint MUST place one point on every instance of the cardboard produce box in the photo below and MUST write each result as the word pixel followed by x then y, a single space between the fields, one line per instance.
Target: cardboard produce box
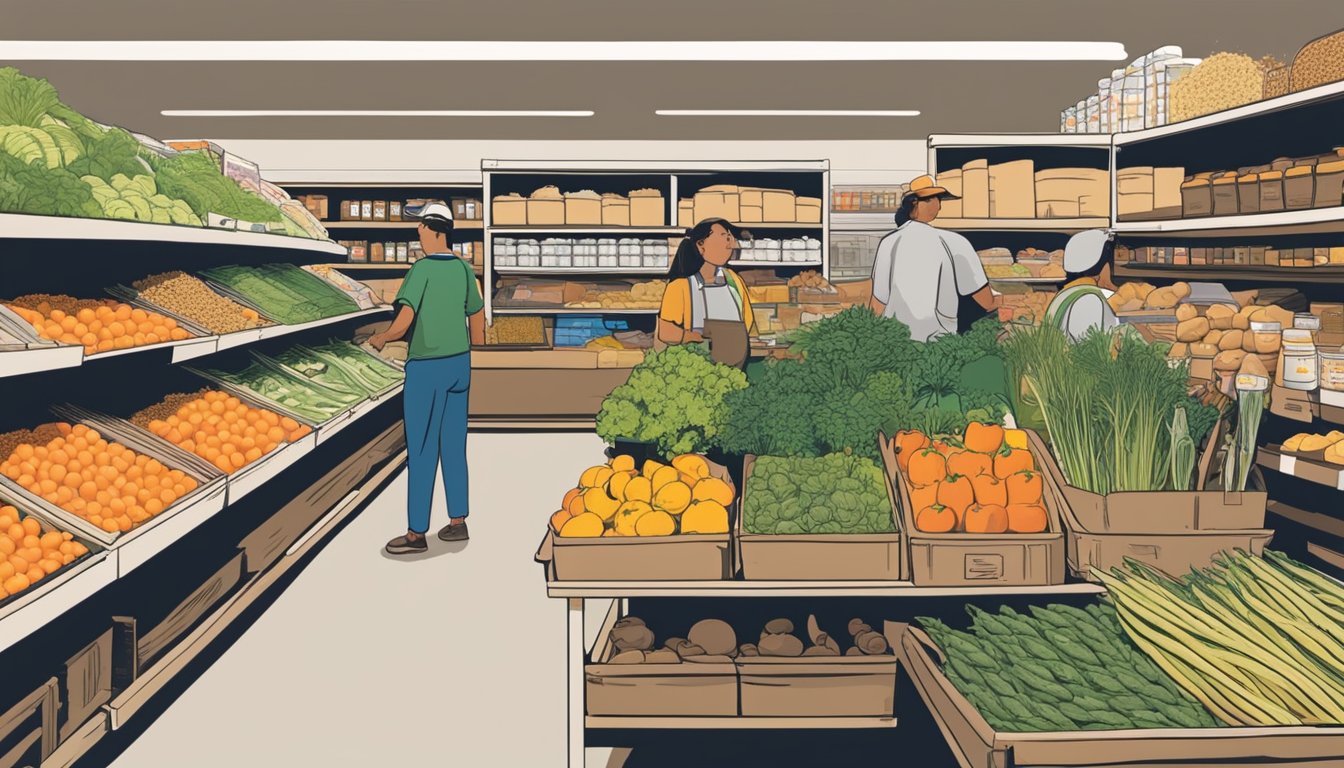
pixel 648 208
pixel 821 686
pixel 615 211
pixel 1134 204
pixel 977 745
pixel 808 210
pixel 975 190
pixel 681 557
pixel 819 556
pixel 546 207
pixel 780 205
pixel 509 210
pixel 685 689
pixel 686 213
pixel 1196 198
pixel 1059 209
pixel 583 208
pixel 1170 530
pixel 1012 190
pixel 1167 191
pixel 977 559
pixel 1134 181
pixel 722 201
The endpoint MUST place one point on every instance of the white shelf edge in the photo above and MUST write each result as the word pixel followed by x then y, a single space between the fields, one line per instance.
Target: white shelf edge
pixel 740 722
pixel 1254 109
pixel 1098 141
pixel 24 225
pixel 618 589
pixel 491 165
pixel 275 331
pixel 563 229
pixel 1024 225
pixel 138 546
pixel 24 361
pixel 461 224
pixel 1252 221
pixel 39 605
pixel 260 472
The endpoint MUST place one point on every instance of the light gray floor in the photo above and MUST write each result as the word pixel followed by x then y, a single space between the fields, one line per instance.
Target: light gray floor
pixel 455 659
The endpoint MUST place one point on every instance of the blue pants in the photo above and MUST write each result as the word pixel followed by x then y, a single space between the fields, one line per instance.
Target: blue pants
pixel 435 403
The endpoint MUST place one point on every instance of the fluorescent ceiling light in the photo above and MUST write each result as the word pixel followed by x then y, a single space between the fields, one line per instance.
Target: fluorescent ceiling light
pixel 566 50
pixel 376 113
pixel 787 112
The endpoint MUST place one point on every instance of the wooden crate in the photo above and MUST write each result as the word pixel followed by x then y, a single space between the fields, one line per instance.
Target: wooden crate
pixel 190 611
pixel 29 727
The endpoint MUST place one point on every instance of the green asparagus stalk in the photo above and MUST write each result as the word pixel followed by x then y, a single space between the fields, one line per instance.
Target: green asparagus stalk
pixel 1182 451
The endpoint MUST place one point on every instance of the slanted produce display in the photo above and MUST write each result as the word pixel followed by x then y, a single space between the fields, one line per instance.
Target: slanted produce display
pixel 30 550
pixel 55 161
pixel 189 297
pixel 98 325
pixel 283 292
pixel 220 428
pixel 294 395
pixel 78 470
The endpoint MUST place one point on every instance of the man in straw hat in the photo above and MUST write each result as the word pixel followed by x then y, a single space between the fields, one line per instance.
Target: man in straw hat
pixel 921 273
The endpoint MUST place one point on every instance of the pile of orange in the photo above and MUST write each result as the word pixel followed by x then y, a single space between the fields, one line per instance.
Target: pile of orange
pixel 105 483
pixel 103 327
pixel 227 432
pixel 29 555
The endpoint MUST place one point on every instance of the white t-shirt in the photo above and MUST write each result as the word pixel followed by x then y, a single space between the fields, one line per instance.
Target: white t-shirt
pixel 920 273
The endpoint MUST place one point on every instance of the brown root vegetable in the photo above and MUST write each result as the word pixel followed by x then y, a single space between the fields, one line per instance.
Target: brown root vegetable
pixel 748 649
pixel 778 627
pixel 1186 312
pixel 858 625
pixel 1220 316
pixel 871 643
pixel 780 645
pixel 709 659
pixel 854 651
pixel 675 643
pixel 628 657
pixel 663 656
pixel 1192 330
pixel 628 635
pixel 821 650
pixel 715 636
pixel 688 650
pixel 820 638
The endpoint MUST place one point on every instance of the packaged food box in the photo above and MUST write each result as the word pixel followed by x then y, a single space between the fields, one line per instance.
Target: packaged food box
pixel 648 208
pixel 1225 201
pixel 1248 193
pixel 509 210
pixel 1271 191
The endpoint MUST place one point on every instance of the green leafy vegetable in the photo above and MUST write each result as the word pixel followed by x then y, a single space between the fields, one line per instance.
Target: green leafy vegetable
pixel 24 100
pixel 835 494
pixel 35 188
pixel 196 178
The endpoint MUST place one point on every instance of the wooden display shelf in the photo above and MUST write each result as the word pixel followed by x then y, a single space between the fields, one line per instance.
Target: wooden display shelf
pixel 1327 524
pixel 1318 472
pixel 1310 221
pixel 765 589
pixel 1303 406
pixel 1292 101
pixel 1258 274
pixel 739 723
pixel 35 227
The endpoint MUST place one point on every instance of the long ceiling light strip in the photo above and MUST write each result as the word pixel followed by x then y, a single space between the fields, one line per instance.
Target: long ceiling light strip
pixel 376 113
pixel 787 112
pixel 567 50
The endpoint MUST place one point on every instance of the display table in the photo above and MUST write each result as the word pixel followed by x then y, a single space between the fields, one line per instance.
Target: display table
pixel 544 389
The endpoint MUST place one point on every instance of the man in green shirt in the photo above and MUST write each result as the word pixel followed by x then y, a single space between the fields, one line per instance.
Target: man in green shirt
pixel 440 304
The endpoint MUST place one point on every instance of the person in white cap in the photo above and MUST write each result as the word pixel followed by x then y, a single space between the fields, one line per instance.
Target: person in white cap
pixel 440 305
pixel 1081 304
pixel 921 273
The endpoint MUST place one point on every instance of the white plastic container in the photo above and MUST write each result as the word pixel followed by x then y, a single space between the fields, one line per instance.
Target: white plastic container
pixel 1332 369
pixel 1080 114
pixel 1104 98
pixel 1301 363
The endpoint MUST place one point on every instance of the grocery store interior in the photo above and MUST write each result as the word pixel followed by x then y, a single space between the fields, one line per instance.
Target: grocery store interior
pixel 958 383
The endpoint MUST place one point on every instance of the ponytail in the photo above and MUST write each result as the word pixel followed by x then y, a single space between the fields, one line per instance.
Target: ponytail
pixel 688 260
pixel 907 209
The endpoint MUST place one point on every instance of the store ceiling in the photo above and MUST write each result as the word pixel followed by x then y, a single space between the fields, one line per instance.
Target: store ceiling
pixel 951 96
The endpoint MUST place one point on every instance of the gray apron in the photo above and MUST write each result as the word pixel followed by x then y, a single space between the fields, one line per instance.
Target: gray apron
pixel 728 341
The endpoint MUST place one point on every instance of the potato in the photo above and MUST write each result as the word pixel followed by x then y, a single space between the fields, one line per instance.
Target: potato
pixel 778 627
pixel 821 650
pixel 1117 301
pixel 1203 350
pixel 715 636
pixel 663 656
pixel 675 643
pixel 719 659
pixel 630 634
pixel 1162 298
pixel 780 645
pixel 1186 312
pixel 858 625
pixel 1181 288
pixel 1284 317
pixel 1248 341
pixel 1242 320
pixel 1213 337
pixel 854 651
pixel 1230 340
pixel 872 643
pixel 690 650
pixel 1133 305
pixel 628 657
pixel 748 649
pixel 1220 316
pixel 1192 330
pixel 1228 360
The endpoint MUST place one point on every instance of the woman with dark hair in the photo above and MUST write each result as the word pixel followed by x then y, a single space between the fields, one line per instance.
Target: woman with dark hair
pixel 704 299
pixel 921 273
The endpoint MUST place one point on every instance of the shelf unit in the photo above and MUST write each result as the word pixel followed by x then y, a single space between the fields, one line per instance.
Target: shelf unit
pixel 25 226
pixel 1255 274
pixel 673 179
pixel 1311 221
pixel 464 224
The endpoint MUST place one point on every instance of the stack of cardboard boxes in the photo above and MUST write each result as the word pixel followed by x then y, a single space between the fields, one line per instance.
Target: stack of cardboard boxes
pixel 748 205
pixel 548 206
pixel 1016 190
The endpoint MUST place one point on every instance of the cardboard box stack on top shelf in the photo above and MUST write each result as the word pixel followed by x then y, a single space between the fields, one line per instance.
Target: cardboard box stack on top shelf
pixel 548 206
pixel 748 205
pixel 1286 184
pixel 1015 190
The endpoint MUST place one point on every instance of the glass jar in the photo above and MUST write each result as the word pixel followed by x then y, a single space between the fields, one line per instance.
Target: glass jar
pixel 1301 364
pixel 1332 369
pixel 1267 337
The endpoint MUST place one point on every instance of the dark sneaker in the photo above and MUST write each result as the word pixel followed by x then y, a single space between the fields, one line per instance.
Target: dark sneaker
pixel 405 545
pixel 456 532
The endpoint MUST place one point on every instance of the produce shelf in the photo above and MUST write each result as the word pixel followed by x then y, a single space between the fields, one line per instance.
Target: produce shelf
pixel 136 547
pixel 457 224
pixel 183 349
pixel 632 589
pixel 261 471
pixel 1305 222
pixel 1327 524
pixel 1302 406
pixel 276 331
pixel 739 723
pixel 542 271
pixel 36 227
pixel 330 428
pixel 1220 273
pixel 1268 106
pixel 995 140
pixel 22 361
pixel 388 266
pixel 1024 225
pixel 1319 472
pixel 572 311
pixel 53 596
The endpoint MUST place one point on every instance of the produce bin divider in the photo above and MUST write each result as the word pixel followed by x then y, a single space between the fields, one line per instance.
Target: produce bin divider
pixel 1012 559
pixel 131 296
pixel 259 472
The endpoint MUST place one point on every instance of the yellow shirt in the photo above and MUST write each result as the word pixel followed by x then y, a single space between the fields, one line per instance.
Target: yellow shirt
pixel 676 308
pixel 1081 281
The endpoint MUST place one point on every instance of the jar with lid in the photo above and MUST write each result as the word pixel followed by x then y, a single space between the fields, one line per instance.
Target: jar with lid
pixel 1267 338
pixel 1299 361
pixel 1332 369
pixel 1305 321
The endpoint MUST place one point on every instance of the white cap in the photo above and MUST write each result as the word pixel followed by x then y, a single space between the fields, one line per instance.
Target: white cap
pixel 1084 250
pixel 431 210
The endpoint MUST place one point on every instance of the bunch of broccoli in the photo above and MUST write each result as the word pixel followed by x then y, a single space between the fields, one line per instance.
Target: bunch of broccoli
pixel 836 493
pixel 674 400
